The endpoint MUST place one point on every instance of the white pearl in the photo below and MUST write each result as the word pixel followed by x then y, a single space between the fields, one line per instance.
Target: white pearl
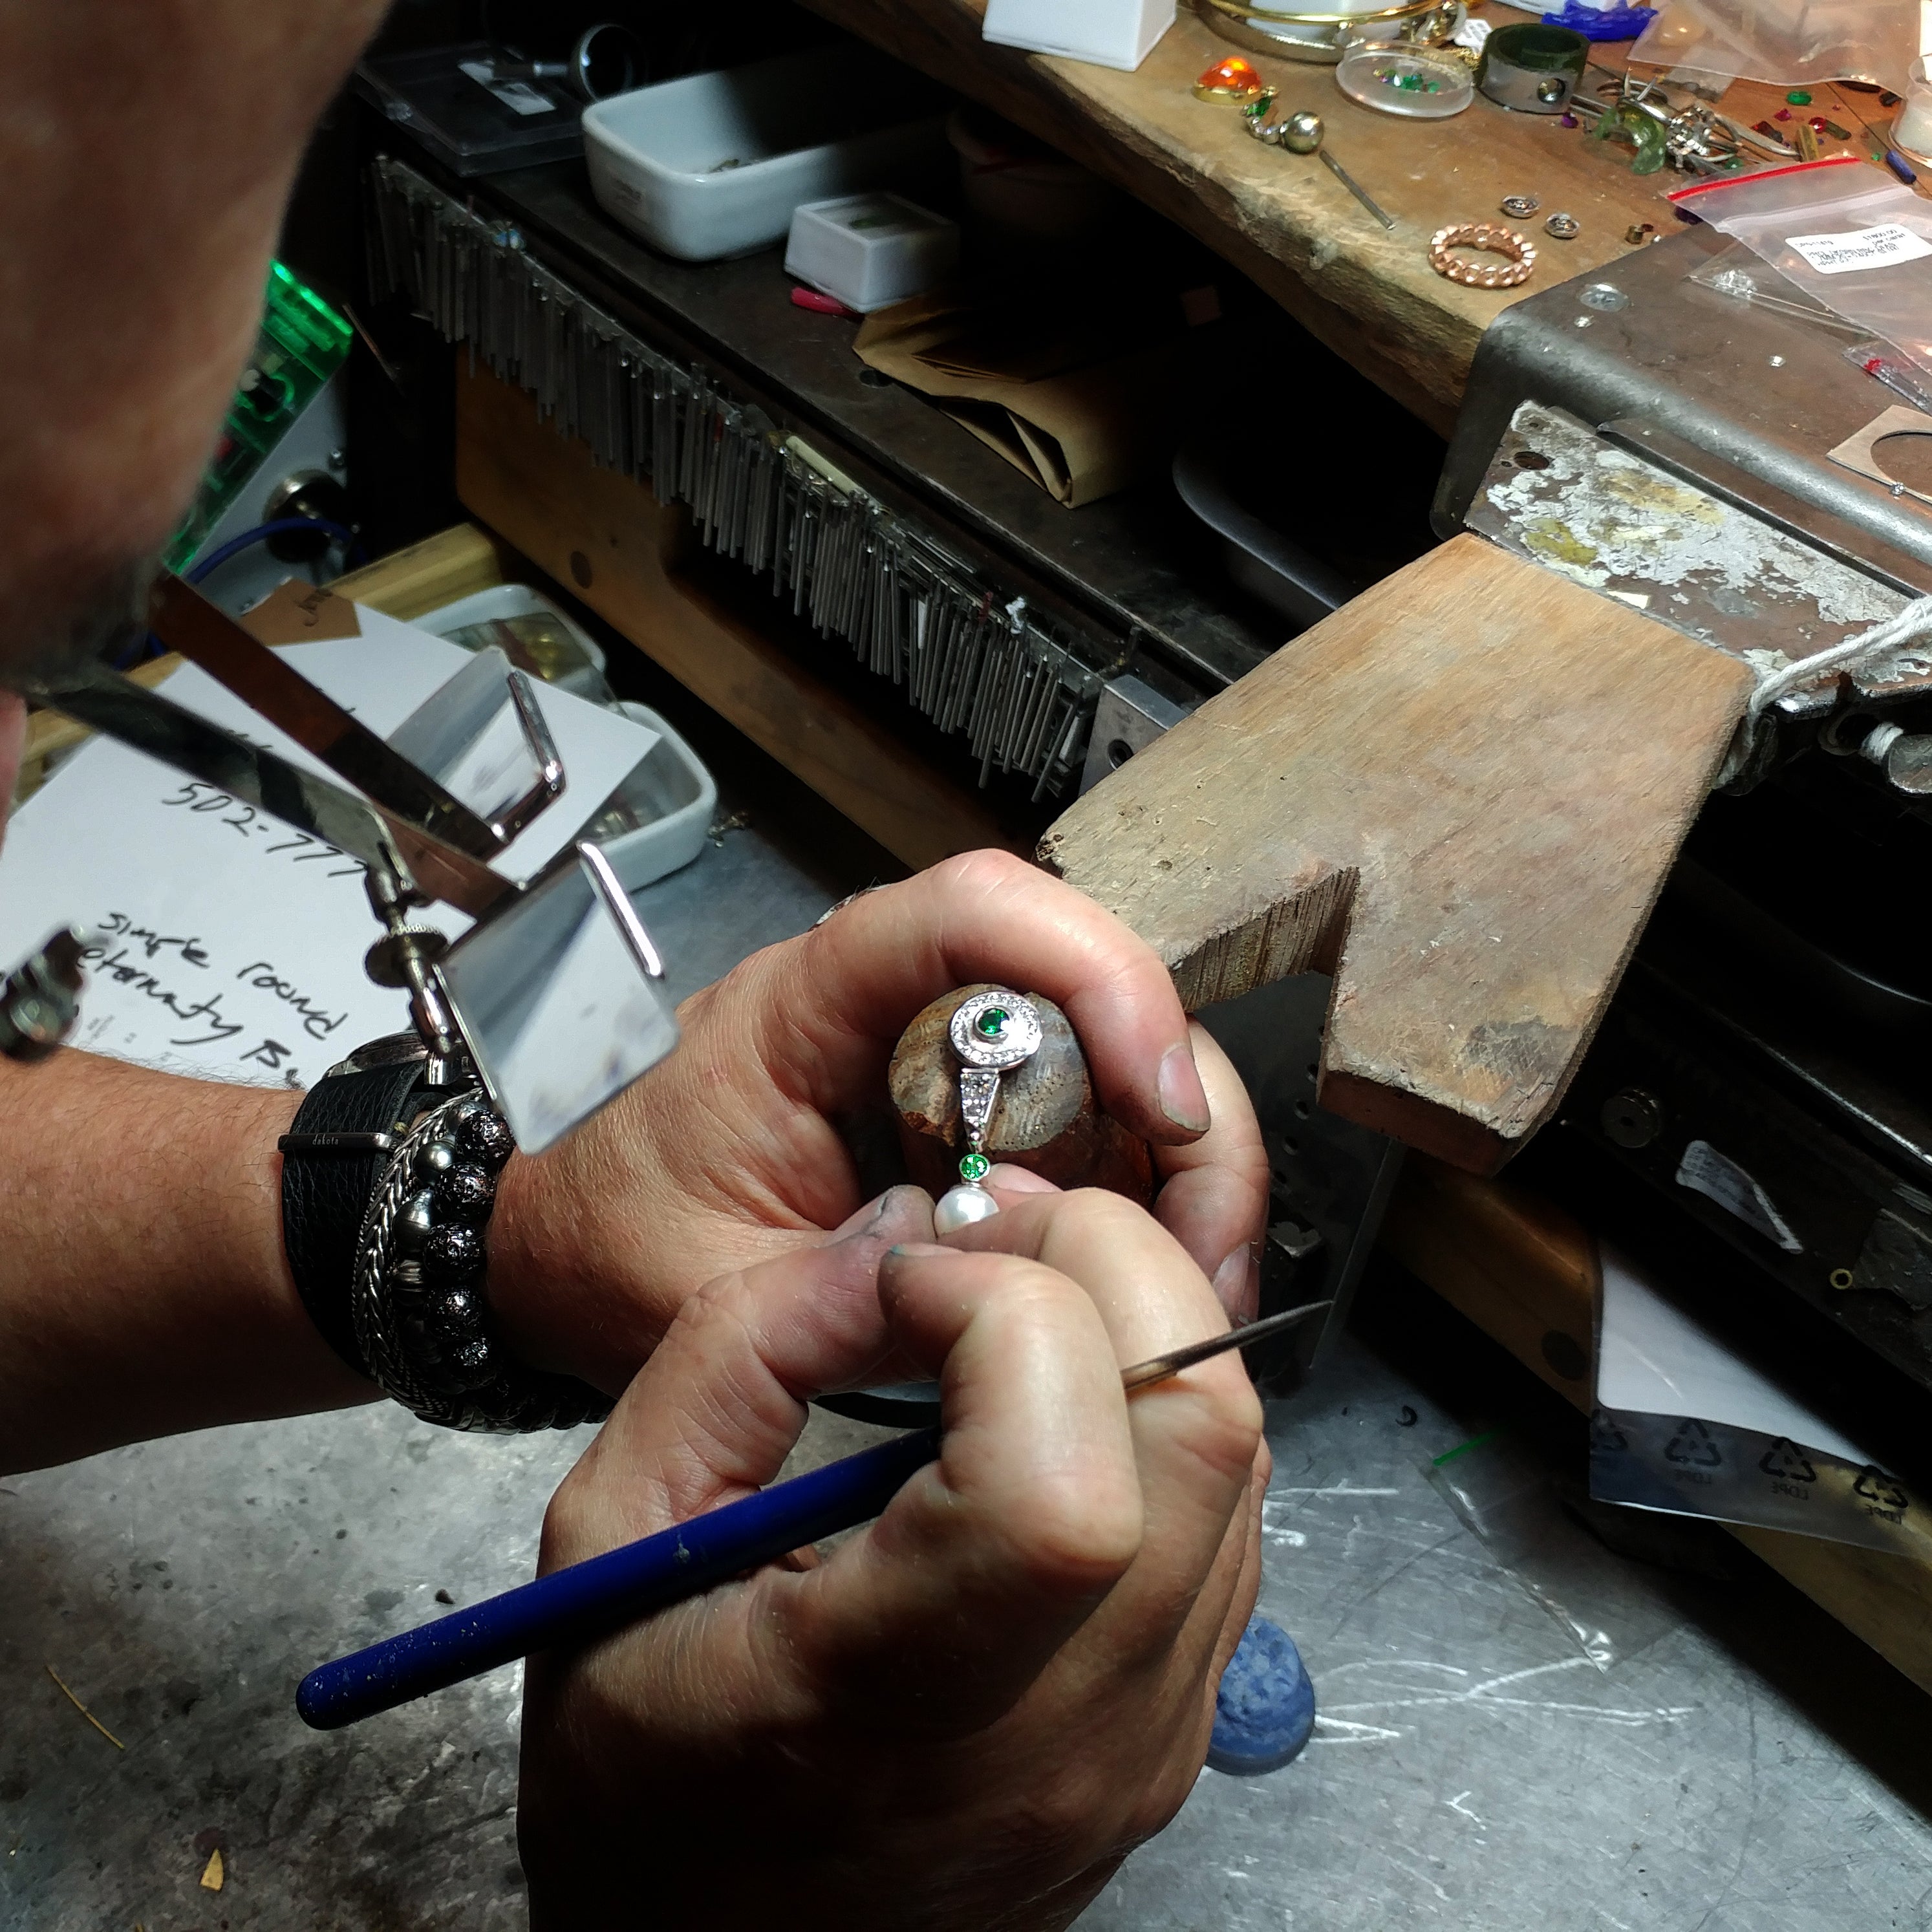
pixel 959 1206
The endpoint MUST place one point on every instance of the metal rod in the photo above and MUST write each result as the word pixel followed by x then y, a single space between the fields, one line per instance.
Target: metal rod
pixel 1354 187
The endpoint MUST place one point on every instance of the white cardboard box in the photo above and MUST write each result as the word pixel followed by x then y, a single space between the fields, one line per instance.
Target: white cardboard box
pixel 1110 33
pixel 870 251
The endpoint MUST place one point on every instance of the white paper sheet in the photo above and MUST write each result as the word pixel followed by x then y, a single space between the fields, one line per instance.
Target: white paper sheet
pixel 232 945
pixel 1654 1360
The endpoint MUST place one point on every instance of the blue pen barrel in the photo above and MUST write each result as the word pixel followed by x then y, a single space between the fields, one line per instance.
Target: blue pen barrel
pixel 587 1599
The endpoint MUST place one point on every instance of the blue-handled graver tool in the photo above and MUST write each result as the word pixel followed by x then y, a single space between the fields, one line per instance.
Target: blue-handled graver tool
pixel 588 1600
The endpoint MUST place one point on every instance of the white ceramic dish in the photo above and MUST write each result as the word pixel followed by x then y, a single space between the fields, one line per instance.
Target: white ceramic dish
pixel 713 164
pixel 674 795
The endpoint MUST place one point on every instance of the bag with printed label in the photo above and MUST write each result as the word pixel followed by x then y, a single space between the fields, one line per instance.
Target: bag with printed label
pixel 1846 235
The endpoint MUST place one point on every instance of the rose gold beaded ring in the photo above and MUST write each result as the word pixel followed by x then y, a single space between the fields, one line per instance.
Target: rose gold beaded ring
pixel 1488 238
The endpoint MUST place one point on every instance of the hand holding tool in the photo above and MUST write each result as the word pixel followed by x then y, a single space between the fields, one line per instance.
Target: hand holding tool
pixel 584 1601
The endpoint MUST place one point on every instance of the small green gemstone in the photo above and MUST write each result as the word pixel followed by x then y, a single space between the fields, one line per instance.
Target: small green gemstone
pixel 974 1167
pixel 992 1022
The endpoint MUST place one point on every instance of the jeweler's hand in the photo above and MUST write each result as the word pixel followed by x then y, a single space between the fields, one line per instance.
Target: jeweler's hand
pixel 732 1150
pixel 966 1715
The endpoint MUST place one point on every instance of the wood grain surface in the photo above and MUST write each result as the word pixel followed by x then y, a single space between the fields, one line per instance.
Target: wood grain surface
pixel 608 538
pixel 1460 794
pixel 1284 220
pixel 1046 1117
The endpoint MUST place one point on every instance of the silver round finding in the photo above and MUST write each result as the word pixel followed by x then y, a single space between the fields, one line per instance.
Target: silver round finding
pixel 1301 133
pixel 1520 205
pixel 996 1030
pixel 1563 227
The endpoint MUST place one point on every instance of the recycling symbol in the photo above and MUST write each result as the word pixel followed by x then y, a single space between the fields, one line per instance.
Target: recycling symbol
pixel 1875 1486
pixel 1605 1435
pixel 1785 1459
pixel 1693 1447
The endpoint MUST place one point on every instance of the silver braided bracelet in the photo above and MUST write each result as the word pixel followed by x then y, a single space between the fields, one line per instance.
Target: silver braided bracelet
pixel 417 1299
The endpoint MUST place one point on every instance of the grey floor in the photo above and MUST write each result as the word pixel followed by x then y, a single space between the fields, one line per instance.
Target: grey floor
pixel 1741 1766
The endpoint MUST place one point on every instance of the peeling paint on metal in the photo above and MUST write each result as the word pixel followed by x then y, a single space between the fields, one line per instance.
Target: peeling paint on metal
pixel 1609 519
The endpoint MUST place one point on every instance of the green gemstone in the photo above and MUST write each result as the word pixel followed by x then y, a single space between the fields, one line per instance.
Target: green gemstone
pixel 974 1167
pixel 992 1022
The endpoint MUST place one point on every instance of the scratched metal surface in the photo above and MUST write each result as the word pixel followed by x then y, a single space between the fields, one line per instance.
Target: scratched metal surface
pixel 1750 1768
pixel 1471 1768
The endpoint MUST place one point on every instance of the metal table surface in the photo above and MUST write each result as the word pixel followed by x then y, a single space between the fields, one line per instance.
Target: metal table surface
pixel 1746 1768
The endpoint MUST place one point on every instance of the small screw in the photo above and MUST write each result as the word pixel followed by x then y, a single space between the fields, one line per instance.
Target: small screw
pixel 1563 227
pixel 1778 361
pixel 1632 1118
pixel 1603 295
pixel 1520 205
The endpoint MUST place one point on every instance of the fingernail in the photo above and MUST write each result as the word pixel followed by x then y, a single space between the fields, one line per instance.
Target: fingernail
pixel 1016 1180
pixel 1183 1098
pixel 1237 1284
pixel 896 1203
pixel 918 1251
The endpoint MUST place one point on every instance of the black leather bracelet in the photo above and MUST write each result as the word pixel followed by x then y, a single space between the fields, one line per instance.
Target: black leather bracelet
pixel 388 1183
pixel 333 1156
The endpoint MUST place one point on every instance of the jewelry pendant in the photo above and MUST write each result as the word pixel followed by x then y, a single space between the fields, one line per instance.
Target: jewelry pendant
pixel 992 1032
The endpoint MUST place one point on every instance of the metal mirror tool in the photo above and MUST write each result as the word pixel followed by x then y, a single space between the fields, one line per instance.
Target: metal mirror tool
pixel 559 1000
pixel 554 993
pixel 482 737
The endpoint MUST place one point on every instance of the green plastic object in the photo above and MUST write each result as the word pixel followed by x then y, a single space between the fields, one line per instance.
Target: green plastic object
pixel 302 342
pixel 1798 97
pixel 1646 137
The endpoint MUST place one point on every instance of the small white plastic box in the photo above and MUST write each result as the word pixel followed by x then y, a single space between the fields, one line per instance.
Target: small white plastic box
pixel 1108 33
pixel 870 251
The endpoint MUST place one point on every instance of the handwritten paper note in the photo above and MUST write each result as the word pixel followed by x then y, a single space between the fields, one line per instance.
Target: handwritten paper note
pixel 229 945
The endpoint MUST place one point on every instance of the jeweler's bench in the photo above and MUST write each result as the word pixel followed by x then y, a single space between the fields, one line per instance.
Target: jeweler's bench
pixel 1368 294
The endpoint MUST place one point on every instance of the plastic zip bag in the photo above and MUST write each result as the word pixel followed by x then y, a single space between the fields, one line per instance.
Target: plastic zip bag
pixel 1791 44
pixel 1847 236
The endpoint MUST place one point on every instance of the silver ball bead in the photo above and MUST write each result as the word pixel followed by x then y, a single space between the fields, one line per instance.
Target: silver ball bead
pixel 959 1206
pixel 435 1157
pixel 414 1222
pixel 1301 133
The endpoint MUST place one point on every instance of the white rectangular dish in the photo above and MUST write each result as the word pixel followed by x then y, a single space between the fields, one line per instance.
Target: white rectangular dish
pixel 713 164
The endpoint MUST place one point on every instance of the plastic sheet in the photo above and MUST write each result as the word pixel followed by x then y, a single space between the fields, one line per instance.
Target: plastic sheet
pixel 1504 1492
pixel 1790 43
pixel 1843 235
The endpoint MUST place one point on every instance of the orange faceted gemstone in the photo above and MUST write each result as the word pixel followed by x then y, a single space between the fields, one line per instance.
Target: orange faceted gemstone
pixel 1230 80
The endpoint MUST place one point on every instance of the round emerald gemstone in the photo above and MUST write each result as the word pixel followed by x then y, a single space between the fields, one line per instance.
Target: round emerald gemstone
pixel 992 1022
pixel 974 1167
